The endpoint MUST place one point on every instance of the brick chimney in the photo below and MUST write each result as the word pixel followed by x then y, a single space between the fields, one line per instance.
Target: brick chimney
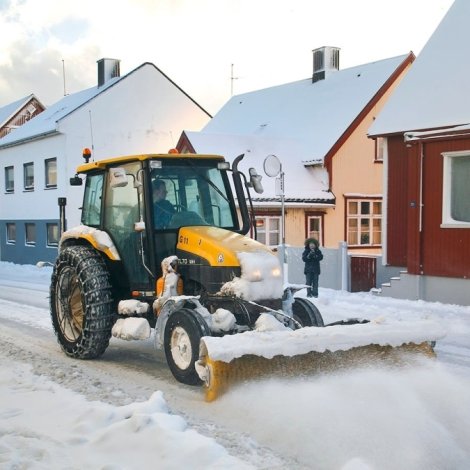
pixel 107 69
pixel 325 62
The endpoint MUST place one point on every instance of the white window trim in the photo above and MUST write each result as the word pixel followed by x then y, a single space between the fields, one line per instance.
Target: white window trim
pixel 447 220
pixel 320 231
pixel 358 217
pixel 267 231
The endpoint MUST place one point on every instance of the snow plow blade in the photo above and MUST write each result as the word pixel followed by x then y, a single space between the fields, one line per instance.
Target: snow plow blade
pixel 254 355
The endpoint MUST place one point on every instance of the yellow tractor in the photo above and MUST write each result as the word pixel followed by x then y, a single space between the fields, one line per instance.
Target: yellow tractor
pixel 162 246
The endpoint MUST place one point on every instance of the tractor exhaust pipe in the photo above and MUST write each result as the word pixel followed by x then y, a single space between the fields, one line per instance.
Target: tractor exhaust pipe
pixel 62 201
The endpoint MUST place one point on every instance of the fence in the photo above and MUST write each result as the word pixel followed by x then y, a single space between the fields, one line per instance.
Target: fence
pixel 341 270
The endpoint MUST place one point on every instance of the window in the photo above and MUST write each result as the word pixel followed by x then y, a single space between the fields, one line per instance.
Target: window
pixel 52 234
pixel 364 222
pixel 380 149
pixel 269 230
pixel 30 234
pixel 51 172
pixel 9 179
pixel 28 169
pixel 456 191
pixel 11 233
pixel 91 213
pixel 314 227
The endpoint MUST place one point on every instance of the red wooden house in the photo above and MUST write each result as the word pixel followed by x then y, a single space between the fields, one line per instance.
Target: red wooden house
pixel 427 168
pixel 19 112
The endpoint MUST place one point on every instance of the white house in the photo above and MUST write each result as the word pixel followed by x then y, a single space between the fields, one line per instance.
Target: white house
pixel 143 111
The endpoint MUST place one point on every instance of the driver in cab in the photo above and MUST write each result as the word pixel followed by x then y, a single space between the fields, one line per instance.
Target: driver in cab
pixel 163 210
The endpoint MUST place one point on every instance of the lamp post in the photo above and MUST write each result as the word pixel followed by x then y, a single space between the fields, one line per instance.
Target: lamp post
pixel 273 168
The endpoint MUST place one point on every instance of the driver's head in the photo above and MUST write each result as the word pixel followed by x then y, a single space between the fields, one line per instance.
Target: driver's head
pixel 159 190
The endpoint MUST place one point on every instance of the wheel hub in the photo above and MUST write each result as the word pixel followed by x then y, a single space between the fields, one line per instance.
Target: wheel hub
pixel 181 348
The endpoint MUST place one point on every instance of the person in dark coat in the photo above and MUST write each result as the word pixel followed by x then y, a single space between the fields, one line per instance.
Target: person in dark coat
pixel 312 256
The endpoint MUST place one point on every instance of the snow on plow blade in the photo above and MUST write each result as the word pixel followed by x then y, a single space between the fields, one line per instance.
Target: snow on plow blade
pixel 227 360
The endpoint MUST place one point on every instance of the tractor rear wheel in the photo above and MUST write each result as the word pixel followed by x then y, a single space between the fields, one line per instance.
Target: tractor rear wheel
pixel 81 302
pixel 306 313
pixel 183 332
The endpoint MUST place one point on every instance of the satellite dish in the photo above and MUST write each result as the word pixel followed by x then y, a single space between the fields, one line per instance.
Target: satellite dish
pixel 272 165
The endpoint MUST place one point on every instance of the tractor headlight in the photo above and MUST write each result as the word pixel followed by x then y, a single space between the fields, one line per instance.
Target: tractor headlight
pixel 276 272
pixel 255 276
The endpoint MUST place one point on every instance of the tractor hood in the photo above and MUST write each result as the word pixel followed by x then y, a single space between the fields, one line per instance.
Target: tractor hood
pixel 261 275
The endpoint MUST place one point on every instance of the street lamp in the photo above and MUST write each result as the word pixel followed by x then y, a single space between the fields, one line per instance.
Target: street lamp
pixel 273 168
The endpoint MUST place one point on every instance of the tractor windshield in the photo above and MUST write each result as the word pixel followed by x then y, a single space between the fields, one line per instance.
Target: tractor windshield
pixel 191 193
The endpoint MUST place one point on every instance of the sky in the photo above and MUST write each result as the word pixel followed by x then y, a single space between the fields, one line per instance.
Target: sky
pixel 51 47
pixel 416 418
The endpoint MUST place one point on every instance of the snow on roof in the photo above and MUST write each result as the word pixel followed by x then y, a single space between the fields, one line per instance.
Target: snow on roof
pixel 315 115
pixel 46 122
pixel 8 111
pixel 436 90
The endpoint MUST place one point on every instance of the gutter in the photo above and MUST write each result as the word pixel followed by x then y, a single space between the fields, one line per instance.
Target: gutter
pixel 29 139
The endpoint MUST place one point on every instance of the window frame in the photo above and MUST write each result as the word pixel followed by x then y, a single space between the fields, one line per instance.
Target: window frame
pixel 9 190
pixel 25 186
pixel 47 177
pixel 308 233
pixel 447 220
pixel 10 240
pixel 48 238
pixel 267 220
pixel 380 150
pixel 357 217
pixel 27 234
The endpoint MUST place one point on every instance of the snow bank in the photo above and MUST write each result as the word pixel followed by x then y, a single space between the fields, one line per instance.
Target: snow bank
pixel 47 426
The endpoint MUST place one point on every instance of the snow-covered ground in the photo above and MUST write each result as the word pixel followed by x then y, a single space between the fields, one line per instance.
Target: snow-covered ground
pixel 59 413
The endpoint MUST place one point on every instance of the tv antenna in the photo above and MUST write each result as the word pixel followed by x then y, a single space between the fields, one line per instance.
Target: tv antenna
pixel 232 79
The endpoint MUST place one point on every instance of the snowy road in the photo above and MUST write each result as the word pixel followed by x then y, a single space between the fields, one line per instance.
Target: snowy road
pixel 414 418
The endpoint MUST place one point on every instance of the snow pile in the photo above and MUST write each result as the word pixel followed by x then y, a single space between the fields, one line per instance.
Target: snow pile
pixel 222 320
pixel 132 328
pixel 261 277
pixel 47 426
pixel 132 307
pixel 335 338
pixel 267 322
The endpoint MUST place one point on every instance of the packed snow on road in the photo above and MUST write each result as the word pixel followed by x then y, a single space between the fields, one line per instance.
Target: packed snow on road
pixel 126 411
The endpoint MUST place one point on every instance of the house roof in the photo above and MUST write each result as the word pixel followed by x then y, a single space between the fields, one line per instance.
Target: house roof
pixel 8 111
pixel 315 115
pixel 435 93
pixel 46 122
pixel 299 122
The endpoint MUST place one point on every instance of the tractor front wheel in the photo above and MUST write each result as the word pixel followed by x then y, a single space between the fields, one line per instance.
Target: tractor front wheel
pixel 81 302
pixel 183 332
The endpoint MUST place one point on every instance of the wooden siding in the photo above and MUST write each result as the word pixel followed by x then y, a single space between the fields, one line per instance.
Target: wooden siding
pixel 444 251
pixel 397 201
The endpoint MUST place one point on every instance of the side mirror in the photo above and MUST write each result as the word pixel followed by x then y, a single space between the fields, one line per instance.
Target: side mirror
pixel 255 181
pixel 76 181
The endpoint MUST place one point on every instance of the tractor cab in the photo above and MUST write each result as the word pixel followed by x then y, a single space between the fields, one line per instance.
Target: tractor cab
pixel 142 202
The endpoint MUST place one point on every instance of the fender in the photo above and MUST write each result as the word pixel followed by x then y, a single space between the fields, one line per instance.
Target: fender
pixel 100 240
